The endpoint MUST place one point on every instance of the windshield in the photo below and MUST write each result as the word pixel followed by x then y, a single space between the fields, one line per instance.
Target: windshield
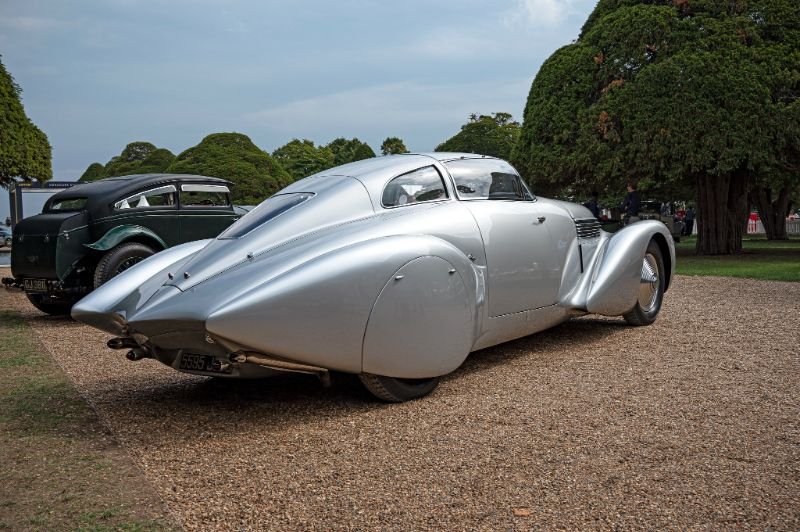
pixel 71 204
pixel 264 212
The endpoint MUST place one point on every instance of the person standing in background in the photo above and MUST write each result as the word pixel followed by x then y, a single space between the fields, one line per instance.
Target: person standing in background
pixel 594 204
pixel 630 207
pixel 689 221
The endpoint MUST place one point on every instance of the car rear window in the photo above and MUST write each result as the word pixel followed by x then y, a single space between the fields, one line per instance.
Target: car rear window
pixel 71 204
pixel 264 212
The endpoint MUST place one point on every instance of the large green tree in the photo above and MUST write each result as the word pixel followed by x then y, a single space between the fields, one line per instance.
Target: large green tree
pixel 25 152
pixel 302 158
pixel 494 135
pixel 94 172
pixel 136 158
pixel 349 150
pixel 393 145
pixel 677 95
pixel 233 156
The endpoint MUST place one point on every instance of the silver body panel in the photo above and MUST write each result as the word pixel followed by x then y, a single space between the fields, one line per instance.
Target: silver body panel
pixel 341 282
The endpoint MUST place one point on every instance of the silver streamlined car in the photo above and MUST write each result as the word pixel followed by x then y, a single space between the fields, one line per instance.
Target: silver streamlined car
pixel 393 268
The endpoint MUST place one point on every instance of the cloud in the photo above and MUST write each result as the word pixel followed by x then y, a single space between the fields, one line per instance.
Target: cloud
pixel 32 23
pixel 540 13
pixel 427 113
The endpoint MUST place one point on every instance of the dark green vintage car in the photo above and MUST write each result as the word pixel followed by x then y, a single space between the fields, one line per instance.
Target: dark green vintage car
pixel 89 233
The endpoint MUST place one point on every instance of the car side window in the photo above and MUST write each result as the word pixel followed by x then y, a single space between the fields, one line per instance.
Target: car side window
pixel 421 185
pixel 155 197
pixel 205 196
pixel 487 179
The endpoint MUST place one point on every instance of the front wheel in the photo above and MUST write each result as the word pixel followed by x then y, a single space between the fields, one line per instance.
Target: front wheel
pixel 651 288
pixel 119 259
pixel 394 390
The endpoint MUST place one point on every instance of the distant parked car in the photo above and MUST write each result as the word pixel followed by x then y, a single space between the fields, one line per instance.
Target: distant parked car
pixel 5 236
pixel 654 210
pixel 89 233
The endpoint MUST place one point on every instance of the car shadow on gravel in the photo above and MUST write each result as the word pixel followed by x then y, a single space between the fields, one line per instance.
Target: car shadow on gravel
pixel 213 403
pixel 576 334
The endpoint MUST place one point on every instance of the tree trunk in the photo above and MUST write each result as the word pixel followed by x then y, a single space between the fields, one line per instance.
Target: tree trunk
pixel 772 213
pixel 721 209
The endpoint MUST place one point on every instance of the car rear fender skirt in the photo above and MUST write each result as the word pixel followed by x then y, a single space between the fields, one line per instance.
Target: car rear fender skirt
pixel 108 307
pixel 317 313
pixel 123 233
pixel 615 271
pixel 422 324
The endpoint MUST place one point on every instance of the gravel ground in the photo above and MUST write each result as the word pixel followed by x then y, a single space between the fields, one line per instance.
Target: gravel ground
pixel 689 423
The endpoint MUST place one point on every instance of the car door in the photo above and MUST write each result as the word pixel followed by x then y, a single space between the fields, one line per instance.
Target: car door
pixel 205 210
pixel 523 270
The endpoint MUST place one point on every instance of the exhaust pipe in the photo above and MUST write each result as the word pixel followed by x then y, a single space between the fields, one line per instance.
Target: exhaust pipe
pixel 280 364
pixel 122 343
pixel 136 354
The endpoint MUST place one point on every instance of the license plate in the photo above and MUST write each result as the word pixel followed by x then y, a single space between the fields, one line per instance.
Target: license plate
pixel 35 285
pixel 197 362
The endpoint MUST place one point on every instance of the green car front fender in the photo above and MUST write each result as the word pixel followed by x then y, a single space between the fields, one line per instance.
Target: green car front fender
pixel 122 233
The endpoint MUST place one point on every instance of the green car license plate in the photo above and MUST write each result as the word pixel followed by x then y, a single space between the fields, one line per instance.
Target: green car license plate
pixel 34 285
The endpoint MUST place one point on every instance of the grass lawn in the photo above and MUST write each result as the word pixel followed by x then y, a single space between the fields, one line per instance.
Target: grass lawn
pixel 61 468
pixel 760 259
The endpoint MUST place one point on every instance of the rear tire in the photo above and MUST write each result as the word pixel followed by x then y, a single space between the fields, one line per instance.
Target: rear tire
pixel 651 288
pixel 394 390
pixel 49 305
pixel 119 259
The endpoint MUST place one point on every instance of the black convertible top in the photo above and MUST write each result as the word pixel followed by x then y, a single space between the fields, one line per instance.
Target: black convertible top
pixel 102 193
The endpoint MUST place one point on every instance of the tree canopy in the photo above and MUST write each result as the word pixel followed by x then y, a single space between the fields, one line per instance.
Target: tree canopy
pixel 137 158
pixel 393 145
pixel 25 152
pixel 94 172
pixel 348 151
pixel 233 156
pixel 493 135
pixel 679 95
pixel 302 158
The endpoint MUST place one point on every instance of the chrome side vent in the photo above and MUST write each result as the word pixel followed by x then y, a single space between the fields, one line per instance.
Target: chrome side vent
pixel 587 228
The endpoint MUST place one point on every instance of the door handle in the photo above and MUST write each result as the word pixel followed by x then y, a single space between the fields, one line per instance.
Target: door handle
pixel 541 219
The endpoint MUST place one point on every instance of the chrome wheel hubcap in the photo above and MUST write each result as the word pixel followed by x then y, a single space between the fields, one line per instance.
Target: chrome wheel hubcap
pixel 649 286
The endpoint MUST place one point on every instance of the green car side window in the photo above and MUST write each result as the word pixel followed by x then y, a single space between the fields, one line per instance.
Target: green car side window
pixel 155 197
pixel 205 196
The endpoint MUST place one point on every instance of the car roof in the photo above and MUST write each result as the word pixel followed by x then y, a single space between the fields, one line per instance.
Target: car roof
pixel 110 189
pixel 375 172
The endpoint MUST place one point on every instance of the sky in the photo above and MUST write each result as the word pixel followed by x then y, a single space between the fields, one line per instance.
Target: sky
pixel 98 74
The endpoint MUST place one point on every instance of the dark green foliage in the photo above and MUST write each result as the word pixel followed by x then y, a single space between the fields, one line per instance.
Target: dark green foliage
pixel 347 151
pixel 493 135
pixel 24 149
pixel 129 161
pixel 683 96
pixel 156 161
pixel 393 145
pixel 137 158
pixel 302 158
pixel 93 173
pixel 234 157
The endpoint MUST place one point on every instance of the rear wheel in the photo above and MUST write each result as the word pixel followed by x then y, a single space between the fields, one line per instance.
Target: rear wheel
pixel 651 288
pixel 52 306
pixel 396 390
pixel 119 259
